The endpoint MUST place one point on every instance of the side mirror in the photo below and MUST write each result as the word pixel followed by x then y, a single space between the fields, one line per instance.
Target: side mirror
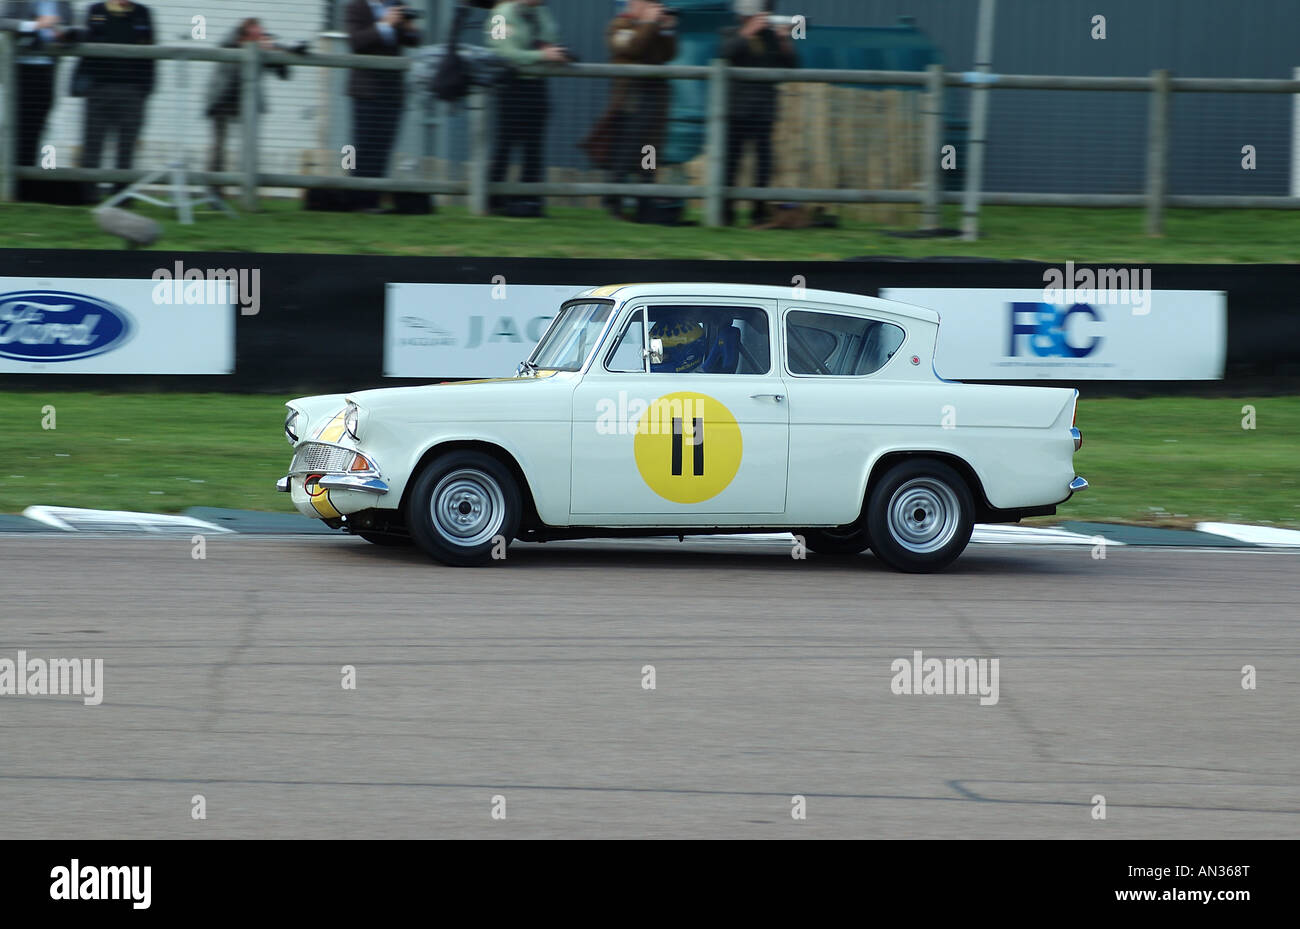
pixel 655 352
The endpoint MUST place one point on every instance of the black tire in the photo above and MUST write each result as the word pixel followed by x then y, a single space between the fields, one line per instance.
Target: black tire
pixel 461 504
pixel 920 516
pixel 835 542
pixel 385 540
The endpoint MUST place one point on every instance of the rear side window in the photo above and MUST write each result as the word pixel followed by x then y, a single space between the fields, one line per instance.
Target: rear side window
pixel 836 344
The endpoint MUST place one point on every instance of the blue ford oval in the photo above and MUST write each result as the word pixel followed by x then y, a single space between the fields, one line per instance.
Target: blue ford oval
pixel 53 326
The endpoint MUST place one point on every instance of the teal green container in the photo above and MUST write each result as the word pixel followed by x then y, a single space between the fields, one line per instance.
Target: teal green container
pixel 878 48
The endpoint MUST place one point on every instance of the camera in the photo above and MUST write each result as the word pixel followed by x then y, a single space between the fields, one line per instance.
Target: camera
pixel 298 47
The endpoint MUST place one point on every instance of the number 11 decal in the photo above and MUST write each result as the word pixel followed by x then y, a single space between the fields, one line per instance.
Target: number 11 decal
pixel 697 442
pixel 668 445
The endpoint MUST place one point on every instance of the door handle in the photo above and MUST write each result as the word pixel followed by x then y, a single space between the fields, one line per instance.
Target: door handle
pixel 777 397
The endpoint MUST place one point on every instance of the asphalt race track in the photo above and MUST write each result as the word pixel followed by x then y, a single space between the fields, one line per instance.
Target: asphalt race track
pixel 1119 677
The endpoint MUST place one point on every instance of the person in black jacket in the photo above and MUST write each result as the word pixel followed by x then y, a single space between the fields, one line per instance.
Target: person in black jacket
pixel 38 25
pixel 118 88
pixel 376 28
pixel 753 43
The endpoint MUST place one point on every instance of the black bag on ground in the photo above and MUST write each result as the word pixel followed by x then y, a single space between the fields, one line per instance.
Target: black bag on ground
pixel 660 211
pixel 412 204
pixel 61 193
pixel 523 208
pixel 329 199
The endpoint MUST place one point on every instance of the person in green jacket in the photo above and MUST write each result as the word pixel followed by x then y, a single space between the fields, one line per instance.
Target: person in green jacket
pixel 523 32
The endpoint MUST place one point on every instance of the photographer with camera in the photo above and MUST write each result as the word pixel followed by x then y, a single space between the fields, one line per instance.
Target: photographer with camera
pixel 378 97
pixel 523 32
pixel 645 33
pixel 753 43
pixel 225 90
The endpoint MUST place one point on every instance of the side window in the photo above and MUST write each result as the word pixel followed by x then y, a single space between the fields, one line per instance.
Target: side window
pixel 627 355
pixel 837 344
pixel 711 339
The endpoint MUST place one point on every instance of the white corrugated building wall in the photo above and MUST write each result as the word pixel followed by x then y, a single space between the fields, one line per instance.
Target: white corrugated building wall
pixel 299 108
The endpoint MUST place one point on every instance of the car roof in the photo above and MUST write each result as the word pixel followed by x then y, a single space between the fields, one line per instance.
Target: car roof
pixel 621 292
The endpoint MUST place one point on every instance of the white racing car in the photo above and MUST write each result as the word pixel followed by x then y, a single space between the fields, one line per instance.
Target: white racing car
pixel 676 409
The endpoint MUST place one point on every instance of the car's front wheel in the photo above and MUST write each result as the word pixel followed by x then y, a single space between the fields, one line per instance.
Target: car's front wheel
pixel 464 509
pixel 920 516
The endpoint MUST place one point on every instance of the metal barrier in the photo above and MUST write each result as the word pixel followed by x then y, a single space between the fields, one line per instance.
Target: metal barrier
pixel 927 193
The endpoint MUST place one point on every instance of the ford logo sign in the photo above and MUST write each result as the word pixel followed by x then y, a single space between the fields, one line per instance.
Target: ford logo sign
pixel 49 325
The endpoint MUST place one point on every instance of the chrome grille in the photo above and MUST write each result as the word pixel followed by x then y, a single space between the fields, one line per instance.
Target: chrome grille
pixel 312 457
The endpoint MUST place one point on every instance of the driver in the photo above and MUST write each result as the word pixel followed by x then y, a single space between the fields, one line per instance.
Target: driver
pixel 684 342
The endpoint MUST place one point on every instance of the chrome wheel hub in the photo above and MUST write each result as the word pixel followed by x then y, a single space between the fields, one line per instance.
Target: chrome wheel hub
pixel 924 515
pixel 467 507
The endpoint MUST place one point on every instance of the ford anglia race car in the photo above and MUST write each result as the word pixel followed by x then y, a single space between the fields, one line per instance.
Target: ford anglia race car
pixel 676 409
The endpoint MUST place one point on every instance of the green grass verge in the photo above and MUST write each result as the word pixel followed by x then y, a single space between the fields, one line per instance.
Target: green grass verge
pixel 1177 460
pixel 157 453
pixel 1160 461
pixel 1046 234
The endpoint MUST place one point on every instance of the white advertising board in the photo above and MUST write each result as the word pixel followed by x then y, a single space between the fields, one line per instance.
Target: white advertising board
pixel 466 330
pixel 112 326
pixel 997 334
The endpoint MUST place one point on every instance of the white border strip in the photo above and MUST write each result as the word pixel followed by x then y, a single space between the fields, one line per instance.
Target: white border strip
pixel 1254 535
pixel 74 519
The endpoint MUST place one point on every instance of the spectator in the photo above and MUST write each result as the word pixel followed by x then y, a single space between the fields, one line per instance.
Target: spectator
pixel 643 34
pixel 225 90
pixel 117 88
pixel 376 28
pixel 753 43
pixel 523 32
pixel 38 24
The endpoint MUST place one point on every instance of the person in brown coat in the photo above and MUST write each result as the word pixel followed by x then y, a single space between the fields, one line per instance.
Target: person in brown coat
pixel 644 34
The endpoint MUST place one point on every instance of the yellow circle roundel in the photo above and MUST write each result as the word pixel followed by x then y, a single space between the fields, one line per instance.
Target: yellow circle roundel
pixel 687 447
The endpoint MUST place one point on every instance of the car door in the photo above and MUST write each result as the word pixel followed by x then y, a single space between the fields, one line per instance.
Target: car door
pixel 837 364
pixel 699 436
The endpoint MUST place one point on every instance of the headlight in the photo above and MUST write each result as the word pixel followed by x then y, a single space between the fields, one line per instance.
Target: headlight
pixel 291 427
pixel 350 421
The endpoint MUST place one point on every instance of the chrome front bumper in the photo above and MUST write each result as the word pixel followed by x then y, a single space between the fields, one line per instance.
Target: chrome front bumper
pixel 372 485
pixel 332 465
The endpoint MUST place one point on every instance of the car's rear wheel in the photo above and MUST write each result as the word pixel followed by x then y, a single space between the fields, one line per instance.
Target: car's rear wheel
pixel 464 508
pixel 837 541
pixel 920 516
